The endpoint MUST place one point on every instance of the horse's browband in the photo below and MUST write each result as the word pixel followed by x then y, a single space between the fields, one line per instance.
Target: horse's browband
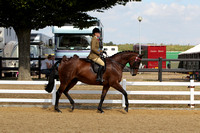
pixel 137 58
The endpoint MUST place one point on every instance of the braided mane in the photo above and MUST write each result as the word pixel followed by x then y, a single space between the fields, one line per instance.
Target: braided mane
pixel 122 52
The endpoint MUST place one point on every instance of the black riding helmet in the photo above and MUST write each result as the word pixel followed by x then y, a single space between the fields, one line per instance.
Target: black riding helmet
pixel 95 30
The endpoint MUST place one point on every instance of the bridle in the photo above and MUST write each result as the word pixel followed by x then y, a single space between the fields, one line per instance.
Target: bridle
pixel 137 59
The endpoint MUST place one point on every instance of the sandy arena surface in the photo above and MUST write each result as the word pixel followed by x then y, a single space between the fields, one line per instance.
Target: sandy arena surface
pixel 41 120
pixel 45 120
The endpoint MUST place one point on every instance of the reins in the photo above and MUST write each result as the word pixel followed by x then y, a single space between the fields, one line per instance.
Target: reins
pixel 136 59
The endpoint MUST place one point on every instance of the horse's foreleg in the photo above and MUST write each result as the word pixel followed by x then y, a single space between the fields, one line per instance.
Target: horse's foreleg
pixel 103 95
pixel 58 94
pixel 67 94
pixel 118 87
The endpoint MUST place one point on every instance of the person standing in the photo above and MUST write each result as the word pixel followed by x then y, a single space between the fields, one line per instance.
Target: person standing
pixel 96 51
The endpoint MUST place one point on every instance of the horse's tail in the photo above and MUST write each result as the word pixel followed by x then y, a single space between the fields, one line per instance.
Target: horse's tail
pixel 50 85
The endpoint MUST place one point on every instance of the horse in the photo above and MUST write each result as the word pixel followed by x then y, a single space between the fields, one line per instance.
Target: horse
pixel 75 69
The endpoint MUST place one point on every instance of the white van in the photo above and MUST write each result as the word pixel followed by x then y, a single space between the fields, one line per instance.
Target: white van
pixel 111 50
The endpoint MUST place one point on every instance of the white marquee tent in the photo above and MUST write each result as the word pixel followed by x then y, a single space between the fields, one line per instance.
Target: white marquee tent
pixel 194 50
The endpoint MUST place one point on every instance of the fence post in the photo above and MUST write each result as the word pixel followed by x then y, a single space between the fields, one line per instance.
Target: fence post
pixel 54 93
pixel 0 67
pixel 160 69
pixel 192 93
pixel 39 65
pixel 124 87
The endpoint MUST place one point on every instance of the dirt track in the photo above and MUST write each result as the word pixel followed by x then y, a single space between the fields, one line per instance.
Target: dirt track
pixel 36 120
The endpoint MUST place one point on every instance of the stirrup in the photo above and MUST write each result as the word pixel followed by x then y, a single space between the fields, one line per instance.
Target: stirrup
pixel 99 80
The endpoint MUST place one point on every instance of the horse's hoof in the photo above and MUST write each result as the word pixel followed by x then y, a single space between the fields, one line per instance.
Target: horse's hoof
pixel 58 110
pixel 126 109
pixel 72 107
pixel 100 111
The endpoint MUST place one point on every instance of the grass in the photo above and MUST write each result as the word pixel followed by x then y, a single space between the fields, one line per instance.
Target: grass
pixel 178 47
pixel 171 47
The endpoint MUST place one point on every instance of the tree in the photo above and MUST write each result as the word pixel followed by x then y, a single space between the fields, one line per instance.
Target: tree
pixel 25 15
pixel 109 44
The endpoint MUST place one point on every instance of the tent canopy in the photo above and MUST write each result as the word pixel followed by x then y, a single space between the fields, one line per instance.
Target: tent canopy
pixel 194 50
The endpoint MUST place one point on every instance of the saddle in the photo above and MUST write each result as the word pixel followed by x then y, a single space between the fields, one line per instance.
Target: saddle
pixel 95 66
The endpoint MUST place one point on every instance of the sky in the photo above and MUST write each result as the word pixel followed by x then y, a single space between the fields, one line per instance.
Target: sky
pixel 164 21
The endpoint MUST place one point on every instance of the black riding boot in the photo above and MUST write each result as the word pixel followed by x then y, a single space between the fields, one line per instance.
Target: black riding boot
pixel 99 74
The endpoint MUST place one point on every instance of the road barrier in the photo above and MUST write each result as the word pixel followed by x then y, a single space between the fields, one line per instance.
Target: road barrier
pixel 124 83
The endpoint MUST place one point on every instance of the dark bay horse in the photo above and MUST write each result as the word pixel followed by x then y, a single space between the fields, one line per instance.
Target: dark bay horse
pixel 75 69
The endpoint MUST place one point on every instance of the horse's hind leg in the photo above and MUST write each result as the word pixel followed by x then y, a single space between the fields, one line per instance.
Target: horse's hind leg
pixel 73 82
pixel 103 95
pixel 118 87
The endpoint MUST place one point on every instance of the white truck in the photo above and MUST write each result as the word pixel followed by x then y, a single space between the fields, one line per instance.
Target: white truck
pixel 6 35
pixel 40 45
pixel 70 40
pixel 110 50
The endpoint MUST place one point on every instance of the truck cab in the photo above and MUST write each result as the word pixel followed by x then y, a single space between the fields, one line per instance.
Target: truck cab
pixel 70 40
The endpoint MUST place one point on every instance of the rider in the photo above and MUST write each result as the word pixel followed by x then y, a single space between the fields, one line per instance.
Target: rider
pixel 96 51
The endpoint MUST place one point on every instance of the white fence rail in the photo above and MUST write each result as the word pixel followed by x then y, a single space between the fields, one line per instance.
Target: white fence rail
pixel 124 83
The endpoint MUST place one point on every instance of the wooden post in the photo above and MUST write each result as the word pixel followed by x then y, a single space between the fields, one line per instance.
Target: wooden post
pixel 0 67
pixel 124 87
pixel 192 93
pixel 39 65
pixel 160 69
pixel 54 93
